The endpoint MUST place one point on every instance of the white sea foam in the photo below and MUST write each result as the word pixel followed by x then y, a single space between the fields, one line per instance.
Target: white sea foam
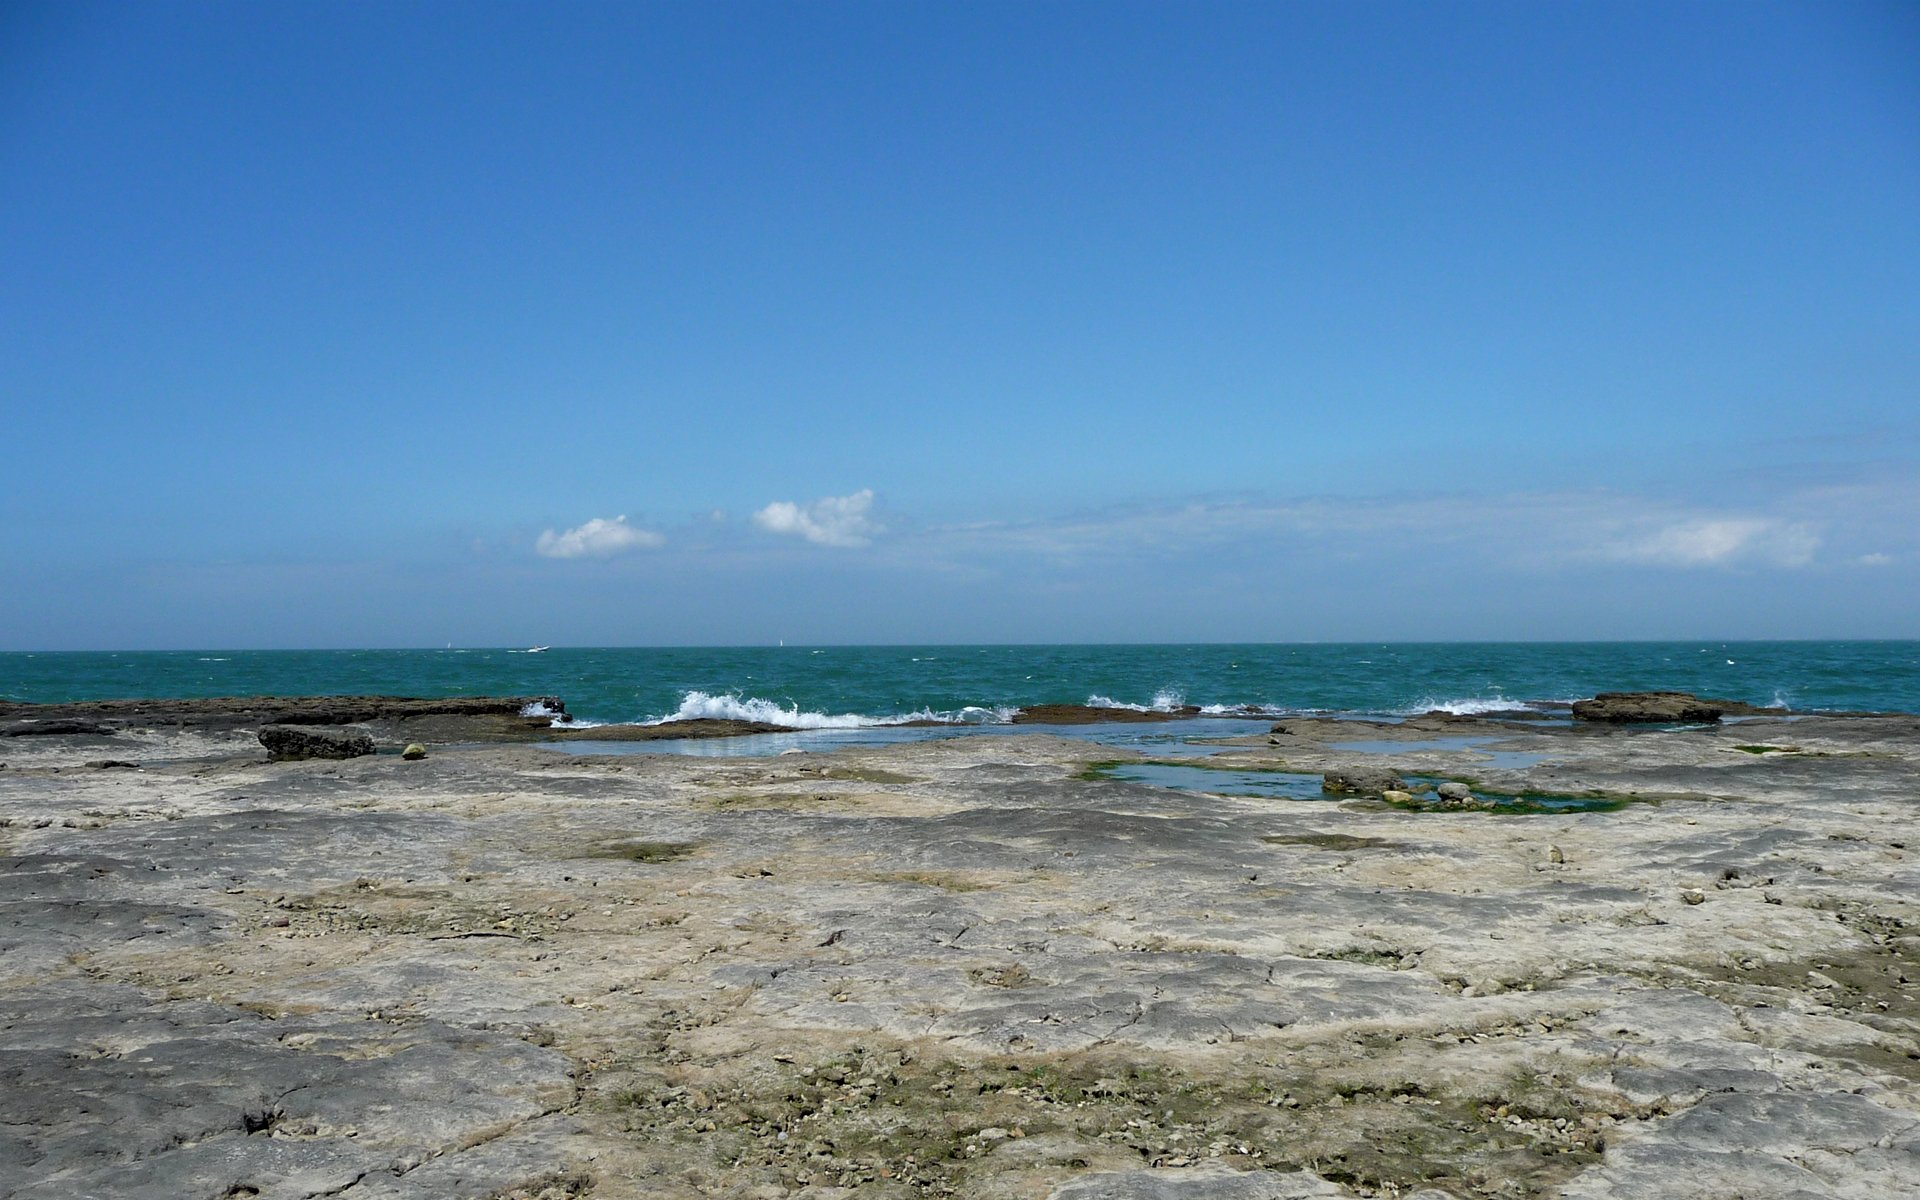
pixel 539 708
pixel 1164 700
pixel 696 706
pixel 735 707
pixel 1469 706
pixel 972 714
pixel 1247 710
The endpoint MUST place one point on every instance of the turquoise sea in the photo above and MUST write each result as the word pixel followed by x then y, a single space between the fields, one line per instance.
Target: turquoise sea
pixel 853 686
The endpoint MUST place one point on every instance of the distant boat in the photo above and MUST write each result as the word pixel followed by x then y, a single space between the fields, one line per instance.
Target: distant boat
pixel 538 649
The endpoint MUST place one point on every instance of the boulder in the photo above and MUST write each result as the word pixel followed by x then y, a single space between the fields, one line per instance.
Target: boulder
pixel 286 742
pixel 1624 708
pixel 1369 781
pixel 1454 793
pixel 413 752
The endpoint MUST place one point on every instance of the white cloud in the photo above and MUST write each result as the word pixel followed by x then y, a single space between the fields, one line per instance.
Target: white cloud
pixel 1541 531
pixel 1874 560
pixel 1720 541
pixel 828 521
pixel 598 538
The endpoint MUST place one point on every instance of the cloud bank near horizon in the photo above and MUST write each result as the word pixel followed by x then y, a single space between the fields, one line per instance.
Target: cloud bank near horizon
pixel 1817 560
pixel 598 538
pixel 1531 533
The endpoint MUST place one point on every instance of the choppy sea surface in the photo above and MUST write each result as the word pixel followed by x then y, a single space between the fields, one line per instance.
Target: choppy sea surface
pixel 863 687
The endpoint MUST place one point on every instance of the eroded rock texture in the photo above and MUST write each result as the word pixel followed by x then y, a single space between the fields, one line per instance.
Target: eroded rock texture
pixel 962 969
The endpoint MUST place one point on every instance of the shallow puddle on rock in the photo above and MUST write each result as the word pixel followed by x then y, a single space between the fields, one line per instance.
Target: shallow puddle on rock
pixel 1296 785
pixel 1504 760
pixel 1282 785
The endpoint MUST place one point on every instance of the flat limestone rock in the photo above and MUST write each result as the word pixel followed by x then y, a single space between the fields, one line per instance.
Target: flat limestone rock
pixel 113 1092
pixel 1198 1183
pixel 961 967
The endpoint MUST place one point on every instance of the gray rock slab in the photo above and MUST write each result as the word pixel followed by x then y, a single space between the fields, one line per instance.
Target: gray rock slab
pixel 111 1092
pixel 1198 1183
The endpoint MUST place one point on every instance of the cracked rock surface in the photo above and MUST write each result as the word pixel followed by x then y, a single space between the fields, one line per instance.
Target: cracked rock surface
pixel 964 968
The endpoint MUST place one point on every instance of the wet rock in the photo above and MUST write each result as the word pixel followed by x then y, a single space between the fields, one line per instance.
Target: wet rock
pixel 1454 793
pixel 1087 714
pixel 290 742
pixel 1366 781
pixel 697 727
pixel 414 752
pixel 1624 708
pixel 55 727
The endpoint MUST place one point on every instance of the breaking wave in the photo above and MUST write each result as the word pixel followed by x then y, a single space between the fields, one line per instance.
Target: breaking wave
pixel 1473 706
pixel 695 706
pixel 1164 700
pixel 734 706
pixel 1250 710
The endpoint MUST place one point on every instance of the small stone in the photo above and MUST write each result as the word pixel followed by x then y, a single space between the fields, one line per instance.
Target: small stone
pixel 1556 855
pixel 1396 796
pixel 1693 896
pixel 1457 792
pixel 414 752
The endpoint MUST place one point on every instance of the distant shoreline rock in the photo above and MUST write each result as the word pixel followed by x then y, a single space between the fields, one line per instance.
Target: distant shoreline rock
pixel 1680 708
pixel 236 712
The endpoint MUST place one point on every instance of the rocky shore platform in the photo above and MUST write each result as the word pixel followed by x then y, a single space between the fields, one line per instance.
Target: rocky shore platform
pixel 966 967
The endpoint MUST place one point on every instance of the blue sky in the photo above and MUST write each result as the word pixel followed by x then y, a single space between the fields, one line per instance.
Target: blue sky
pixel 332 325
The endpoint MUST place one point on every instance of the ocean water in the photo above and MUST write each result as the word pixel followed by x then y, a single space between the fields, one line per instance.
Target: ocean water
pixel 854 687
